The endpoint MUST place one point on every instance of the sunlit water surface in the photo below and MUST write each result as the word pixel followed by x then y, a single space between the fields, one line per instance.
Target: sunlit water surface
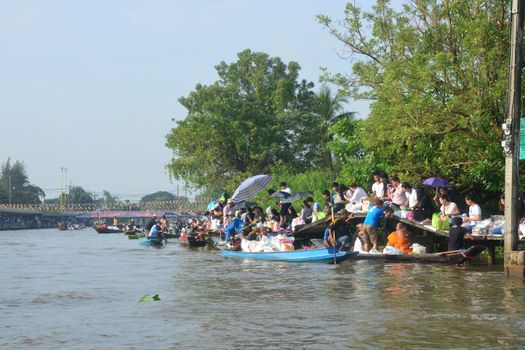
pixel 81 290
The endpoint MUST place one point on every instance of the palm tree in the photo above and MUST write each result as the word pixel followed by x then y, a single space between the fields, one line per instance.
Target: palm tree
pixel 330 110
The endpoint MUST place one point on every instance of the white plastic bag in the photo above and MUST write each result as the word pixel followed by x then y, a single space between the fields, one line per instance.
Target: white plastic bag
pixel 418 248
pixel 392 251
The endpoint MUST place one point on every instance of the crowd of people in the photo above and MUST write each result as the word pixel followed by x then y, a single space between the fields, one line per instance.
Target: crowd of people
pixel 385 198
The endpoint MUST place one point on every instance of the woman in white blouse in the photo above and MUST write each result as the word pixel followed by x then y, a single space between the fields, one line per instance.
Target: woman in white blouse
pixel 448 208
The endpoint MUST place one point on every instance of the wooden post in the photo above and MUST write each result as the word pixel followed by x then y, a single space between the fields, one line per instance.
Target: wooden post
pixel 491 259
pixel 511 141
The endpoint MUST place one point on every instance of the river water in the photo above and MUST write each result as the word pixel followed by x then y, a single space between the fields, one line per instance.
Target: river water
pixel 81 290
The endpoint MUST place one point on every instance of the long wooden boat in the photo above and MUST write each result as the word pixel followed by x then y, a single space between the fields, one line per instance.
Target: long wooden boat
pixel 108 230
pixel 325 255
pixel 451 257
pixel 194 242
pixel 150 241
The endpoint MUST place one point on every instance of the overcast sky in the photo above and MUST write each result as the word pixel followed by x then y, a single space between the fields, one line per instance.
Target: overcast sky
pixel 92 85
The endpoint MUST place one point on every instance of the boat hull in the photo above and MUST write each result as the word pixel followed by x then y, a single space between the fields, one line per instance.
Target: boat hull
pixel 193 242
pixel 151 242
pixel 452 258
pixel 108 230
pixel 325 255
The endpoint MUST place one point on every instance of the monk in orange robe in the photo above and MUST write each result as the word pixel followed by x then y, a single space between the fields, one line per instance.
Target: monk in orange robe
pixel 399 239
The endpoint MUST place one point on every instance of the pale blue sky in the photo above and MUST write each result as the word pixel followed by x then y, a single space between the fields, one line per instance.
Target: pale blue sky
pixel 92 86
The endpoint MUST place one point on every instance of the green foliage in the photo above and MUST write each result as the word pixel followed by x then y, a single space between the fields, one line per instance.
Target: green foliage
pixel 77 195
pixel 249 121
pixel 14 183
pixel 146 297
pixel 107 198
pixel 436 73
pixel 159 196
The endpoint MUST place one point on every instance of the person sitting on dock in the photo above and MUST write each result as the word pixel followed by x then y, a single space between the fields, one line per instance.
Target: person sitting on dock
pixel 448 209
pixel 356 201
pixel 400 239
pixel 397 197
pixel 474 213
pixel 457 234
pixel 340 228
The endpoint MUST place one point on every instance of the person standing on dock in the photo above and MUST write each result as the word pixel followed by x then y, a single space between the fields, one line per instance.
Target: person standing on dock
pixel 371 223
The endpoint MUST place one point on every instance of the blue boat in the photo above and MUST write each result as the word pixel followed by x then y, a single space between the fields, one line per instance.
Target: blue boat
pixel 325 255
pixel 152 242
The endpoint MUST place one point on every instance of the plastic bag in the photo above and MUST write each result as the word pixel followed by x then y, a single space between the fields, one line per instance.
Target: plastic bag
pixel 418 248
pixel 435 220
pixel 392 251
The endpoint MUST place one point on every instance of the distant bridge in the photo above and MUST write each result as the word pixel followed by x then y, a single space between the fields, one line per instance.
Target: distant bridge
pixel 199 204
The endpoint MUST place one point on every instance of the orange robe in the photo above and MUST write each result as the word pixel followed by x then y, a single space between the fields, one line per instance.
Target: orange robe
pixel 400 243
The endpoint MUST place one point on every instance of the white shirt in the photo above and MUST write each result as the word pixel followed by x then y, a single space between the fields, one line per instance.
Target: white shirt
pixel 474 210
pixel 358 195
pixel 412 198
pixel 378 188
pixel 287 190
pixel 450 209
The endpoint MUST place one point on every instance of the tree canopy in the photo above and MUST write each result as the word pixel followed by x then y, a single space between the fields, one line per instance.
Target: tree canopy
pixel 158 196
pixel 15 186
pixel 436 75
pixel 255 117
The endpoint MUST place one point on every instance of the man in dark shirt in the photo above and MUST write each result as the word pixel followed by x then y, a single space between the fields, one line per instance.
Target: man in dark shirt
pixel 342 229
pixel 456 234
pixel 389 224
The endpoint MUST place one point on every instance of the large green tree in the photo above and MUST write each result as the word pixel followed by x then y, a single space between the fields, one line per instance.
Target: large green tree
pixel 15 186
pixel 78 195
pixel 247 122
pixel 158 196
pixel 436 74
pixel 330 110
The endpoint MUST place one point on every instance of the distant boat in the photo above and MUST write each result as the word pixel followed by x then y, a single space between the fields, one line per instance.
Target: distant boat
pixel 108 229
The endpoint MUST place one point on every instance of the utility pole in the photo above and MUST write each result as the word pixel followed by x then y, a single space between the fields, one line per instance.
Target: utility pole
pixel 514 261
pixel 10 188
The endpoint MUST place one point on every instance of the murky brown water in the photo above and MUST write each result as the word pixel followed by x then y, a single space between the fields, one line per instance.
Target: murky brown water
pixel 80 290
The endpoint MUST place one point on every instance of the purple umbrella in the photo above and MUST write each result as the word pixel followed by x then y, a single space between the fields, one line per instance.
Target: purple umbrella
pixel 436 182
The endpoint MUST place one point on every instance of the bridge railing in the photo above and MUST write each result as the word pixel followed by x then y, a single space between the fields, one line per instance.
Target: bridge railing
pixel 175 205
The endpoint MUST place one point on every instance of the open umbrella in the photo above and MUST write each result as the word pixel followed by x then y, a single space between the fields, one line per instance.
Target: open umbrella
pixel 250 187
pixel 436 182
